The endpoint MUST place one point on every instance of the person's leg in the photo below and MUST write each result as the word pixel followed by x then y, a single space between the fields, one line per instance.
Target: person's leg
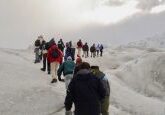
pixel 68 79
pixel 53 72
pixel 44 63
pixel 48 67
pixel 37 58
pixel 78 53
pixel 85 53
pixel 56 68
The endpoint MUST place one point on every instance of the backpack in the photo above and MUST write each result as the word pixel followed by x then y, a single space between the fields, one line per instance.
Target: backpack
pixel 37 43
pixel 47 45
pixel 55 53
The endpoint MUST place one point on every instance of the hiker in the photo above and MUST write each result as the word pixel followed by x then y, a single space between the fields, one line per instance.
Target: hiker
pixel 54 57
pixel 67 69
pixel 68 51
pixel 93 50
pixel 105 102
pixel 46 64
pixel 72 50
pixel 101 50
pixel 37 50
pixel 86 92
pixel 79 47
pixel 61 45
pixel 97 49
pixel 85 50
pixel 77 66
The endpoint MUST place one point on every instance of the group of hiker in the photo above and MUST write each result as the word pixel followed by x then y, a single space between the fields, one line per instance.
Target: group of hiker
pixel 86 86
pixel 95 50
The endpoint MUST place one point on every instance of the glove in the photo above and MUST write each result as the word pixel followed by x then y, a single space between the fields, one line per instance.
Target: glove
pixel 68 112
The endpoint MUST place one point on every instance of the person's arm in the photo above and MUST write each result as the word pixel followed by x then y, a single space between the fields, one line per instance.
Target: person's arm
pixel 101 89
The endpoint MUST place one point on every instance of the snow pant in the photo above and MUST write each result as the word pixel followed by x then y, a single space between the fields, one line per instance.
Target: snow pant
pixel 85 54
pixel 101 53
pixel 93 54
pixel 79 51
pixel 68 79
pixel 45 62
pixel 54 67
pixel 105 106
pixel 37 56
pixel 97 52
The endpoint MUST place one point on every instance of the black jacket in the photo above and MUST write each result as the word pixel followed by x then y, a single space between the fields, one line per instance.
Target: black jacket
pixel 85 47
pixel 86 91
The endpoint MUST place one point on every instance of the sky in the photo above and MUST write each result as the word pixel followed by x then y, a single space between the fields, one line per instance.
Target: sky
pixel 102 21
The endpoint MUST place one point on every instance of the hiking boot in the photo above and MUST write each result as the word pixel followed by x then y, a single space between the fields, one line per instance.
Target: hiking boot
pixel 54 81
pixel 42 69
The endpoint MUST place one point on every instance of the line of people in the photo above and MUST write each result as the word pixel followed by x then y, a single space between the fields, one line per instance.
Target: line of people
pixel 44 51
pixel 87 87
pixel 95 50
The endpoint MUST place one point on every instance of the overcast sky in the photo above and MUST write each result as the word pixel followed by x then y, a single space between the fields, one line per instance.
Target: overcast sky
pixel 108 21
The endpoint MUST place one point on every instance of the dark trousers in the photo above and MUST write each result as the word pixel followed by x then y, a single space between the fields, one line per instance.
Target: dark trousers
pixel 45 61
pixel 101 53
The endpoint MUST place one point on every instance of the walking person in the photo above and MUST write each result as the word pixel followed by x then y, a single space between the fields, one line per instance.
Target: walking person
pixel 68 51
pixel 37 51
pixel 79 48
pixel 105 102
pixel 54 57
pixel 86 92
pixel 101 50
pixel 85 50
pixel 93 51
pixel 46 64
pixel 67 69
pixel 77 66
pixel 61 45
pixel 97 49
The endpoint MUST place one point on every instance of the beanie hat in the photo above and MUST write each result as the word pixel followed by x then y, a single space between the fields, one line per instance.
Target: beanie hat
pixel 69 58
pixel 78 60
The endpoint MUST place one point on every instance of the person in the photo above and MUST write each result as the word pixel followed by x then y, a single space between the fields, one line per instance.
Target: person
pixel 67 68
pixel 45 48
pixel 77 66
pixel 61 45
pixel 101 50
pixel 68 51
pixel 97 49
pixel 105 102
pixel 54 57
pixel 93 50
pixel 86 92
pixel 85 50
pixel 79 47
pixel 37 51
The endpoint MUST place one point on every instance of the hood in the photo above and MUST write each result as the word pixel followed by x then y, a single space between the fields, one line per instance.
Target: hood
pixel 83 74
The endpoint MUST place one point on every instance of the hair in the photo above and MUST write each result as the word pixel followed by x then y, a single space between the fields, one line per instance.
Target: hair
pixel 84 65
pixel 95 67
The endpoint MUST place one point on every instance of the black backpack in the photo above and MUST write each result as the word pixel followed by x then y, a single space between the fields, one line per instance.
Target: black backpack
pixel 47 45
pixel 55 53
pixel 37 43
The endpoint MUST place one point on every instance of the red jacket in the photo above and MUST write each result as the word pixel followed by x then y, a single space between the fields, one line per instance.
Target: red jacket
pixel 50 58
